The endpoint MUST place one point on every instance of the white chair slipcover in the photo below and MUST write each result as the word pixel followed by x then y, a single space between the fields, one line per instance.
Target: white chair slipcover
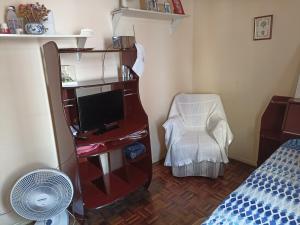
pixel 197 136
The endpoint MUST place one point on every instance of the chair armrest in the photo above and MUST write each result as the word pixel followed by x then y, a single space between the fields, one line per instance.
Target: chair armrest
pixel 175 129
pixel 218 128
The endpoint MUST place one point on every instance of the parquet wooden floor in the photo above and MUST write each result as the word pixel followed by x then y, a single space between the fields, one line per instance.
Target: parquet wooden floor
pixel 172 201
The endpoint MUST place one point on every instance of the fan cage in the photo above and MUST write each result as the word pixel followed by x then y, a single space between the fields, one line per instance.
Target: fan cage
pixel 48 185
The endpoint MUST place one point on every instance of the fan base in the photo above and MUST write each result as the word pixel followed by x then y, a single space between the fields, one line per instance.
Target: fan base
pixel 60 219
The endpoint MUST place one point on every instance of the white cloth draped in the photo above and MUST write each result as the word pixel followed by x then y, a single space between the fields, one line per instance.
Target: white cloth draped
pixel 139 65
pixel 197 130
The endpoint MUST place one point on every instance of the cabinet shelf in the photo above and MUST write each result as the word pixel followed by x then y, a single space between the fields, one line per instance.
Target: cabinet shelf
pixel 146 14
pixel 137 159
pixel 89 171
pixel 98 82
pixel 97 195
pixel 113 139
pixel 86 50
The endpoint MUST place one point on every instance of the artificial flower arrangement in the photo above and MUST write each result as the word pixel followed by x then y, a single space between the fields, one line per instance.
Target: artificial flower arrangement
pixel 34 16
pixel 33 13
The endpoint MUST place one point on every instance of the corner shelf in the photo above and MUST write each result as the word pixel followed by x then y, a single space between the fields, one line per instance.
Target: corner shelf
pixel 147 14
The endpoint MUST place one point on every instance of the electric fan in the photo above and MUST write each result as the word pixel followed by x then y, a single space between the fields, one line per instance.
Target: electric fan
pixel 43 195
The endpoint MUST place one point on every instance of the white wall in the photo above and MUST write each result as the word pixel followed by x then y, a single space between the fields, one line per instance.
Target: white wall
pixel 27 140
pixel 244 72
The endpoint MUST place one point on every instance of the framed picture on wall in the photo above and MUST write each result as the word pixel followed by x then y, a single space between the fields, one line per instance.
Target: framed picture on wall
pixel 178 9
pixel 263 27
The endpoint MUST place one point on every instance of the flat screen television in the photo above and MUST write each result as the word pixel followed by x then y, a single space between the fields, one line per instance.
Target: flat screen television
pixel 97 111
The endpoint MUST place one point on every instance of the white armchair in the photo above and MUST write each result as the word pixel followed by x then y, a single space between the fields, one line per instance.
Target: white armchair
pixel 197 136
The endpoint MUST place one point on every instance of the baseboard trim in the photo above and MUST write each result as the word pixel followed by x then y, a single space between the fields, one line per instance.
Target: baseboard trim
pixel 243 160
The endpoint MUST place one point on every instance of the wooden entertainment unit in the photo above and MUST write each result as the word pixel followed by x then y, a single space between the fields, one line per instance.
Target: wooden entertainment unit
pixel 280 122
pixel 95 188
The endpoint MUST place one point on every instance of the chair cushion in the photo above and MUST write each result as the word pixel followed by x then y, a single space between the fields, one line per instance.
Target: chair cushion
pixel 197 145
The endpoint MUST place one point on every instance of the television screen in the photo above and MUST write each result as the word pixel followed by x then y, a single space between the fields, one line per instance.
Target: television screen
pixel 98 110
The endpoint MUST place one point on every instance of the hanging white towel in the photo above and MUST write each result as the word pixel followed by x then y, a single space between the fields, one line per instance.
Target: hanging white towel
pixel 139 64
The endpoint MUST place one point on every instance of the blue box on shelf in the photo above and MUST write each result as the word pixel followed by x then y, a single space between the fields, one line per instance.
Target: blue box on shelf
pixel 134 150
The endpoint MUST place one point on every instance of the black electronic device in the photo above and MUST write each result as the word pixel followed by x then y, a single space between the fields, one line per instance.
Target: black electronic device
pixel 100 111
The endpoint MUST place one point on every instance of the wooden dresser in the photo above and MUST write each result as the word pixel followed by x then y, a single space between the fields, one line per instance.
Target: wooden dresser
pixel 280 122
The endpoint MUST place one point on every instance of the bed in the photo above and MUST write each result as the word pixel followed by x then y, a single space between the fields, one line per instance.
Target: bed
pixel 270 195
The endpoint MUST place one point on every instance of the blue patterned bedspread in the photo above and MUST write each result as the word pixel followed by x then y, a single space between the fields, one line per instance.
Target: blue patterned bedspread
pixel 270 195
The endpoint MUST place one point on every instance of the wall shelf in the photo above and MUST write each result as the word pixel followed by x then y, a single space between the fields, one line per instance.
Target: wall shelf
pixel 81 39
pixel 147 14
pixel 44 36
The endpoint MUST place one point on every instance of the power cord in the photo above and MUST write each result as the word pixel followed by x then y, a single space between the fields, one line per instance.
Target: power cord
pixel 5 213
pixel 8 212
pixel 24 222
pixel 73 217
pixel 64 162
